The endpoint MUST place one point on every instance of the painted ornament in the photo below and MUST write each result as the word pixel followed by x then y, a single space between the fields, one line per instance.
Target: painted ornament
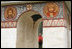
pixel 10 13
pixel 29 6
pixel 51 10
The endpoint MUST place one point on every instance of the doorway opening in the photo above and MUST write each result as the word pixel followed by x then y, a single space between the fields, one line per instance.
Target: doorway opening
pixel 40 38
pixel 27 29
pixel 40 34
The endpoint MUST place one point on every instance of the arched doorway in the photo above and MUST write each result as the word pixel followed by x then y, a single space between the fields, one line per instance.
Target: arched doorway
pixel 40 35
pixel 27 29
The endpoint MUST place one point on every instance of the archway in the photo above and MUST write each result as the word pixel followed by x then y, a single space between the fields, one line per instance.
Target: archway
pixel 27 29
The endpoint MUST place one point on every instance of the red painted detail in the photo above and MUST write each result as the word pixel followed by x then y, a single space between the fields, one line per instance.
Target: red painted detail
pixel 53 26
pixel 9 23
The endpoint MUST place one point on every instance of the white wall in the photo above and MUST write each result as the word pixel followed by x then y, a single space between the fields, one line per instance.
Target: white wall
pixel 54 37
pixel 69 38
pixel 8 37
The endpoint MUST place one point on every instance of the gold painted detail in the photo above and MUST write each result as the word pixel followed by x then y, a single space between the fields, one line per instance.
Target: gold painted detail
pixel 10 13
pixel 51 10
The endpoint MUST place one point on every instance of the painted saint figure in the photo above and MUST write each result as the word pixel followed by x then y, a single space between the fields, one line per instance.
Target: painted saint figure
pixel 10 13
pixel 51 10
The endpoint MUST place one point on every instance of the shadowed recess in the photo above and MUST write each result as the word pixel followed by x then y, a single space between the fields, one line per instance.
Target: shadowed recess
pixel 36 17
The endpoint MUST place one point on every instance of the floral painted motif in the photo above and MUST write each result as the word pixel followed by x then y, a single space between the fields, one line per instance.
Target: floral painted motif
pixel 29 7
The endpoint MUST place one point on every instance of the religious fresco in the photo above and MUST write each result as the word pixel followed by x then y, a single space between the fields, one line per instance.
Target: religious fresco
pixel 35 25
pixel 10 13
pixel 54 23
pixel 50 10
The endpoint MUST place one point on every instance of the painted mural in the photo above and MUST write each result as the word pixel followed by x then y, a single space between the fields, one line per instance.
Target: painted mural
pixel 48 11
pixel 51 10
pixel 10 13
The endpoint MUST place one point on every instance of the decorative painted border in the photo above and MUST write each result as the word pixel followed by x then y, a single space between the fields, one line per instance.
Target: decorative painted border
pixel 8 24
pixel 63 10
pixel 46 23
pixel 28 11
pixel 54 22
pixel 20 2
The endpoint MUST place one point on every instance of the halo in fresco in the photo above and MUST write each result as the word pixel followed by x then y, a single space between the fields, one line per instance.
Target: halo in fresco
pixel 10 13
pixel 51 10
